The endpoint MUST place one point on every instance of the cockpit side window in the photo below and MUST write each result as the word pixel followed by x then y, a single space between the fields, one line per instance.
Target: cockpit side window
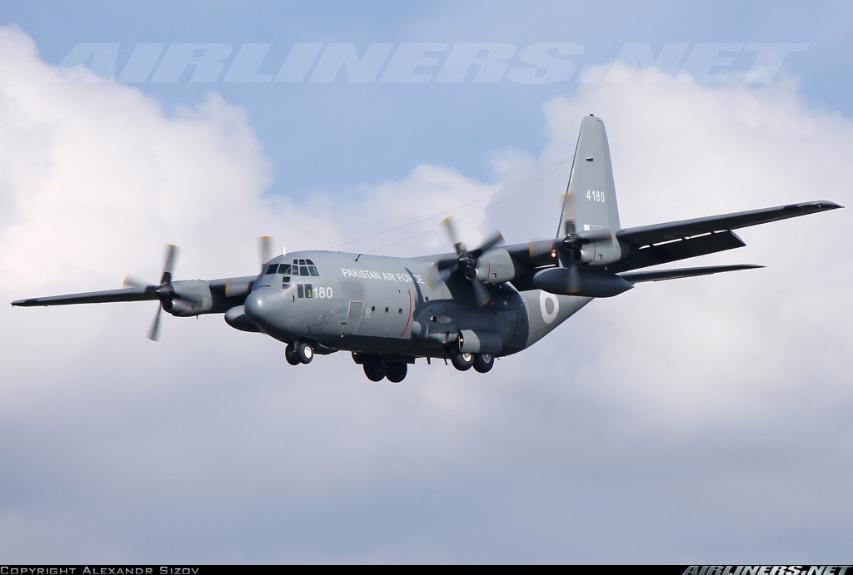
pixel 271 269
pixel 284 269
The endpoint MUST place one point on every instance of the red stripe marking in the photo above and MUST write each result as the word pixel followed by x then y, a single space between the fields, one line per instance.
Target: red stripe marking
pixel 408 315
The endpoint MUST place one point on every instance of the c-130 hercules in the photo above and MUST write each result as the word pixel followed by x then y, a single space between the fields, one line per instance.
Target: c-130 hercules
pixel 470 306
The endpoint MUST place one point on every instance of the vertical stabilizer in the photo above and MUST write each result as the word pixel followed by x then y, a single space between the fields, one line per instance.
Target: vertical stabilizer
pixel 590 201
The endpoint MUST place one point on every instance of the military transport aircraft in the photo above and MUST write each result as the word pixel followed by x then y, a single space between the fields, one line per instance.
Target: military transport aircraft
pixel 469 306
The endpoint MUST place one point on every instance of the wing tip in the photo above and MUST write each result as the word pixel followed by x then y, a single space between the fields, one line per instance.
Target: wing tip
pixel 821 205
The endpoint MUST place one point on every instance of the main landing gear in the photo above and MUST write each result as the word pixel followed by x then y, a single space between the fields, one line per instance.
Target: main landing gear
pixel 300 352
pixel 463 361
pixel 378 369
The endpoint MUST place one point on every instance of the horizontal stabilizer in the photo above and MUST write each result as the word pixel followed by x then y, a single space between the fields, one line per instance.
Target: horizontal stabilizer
pixel 636 277
pixel 646 235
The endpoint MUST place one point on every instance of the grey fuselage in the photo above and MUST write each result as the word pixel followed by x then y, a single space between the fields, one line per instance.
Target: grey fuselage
pixel 386 305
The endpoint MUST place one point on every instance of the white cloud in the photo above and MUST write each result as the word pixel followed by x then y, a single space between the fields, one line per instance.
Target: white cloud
pixel 695 398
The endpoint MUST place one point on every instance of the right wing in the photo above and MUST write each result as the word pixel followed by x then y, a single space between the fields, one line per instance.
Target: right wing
pixel 127 294
pixel 220 294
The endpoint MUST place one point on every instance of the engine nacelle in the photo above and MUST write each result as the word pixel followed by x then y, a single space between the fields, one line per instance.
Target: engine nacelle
pixel 496 266
pixel 192 297
pixel 599 253
pixel 588 282
pixel 471 341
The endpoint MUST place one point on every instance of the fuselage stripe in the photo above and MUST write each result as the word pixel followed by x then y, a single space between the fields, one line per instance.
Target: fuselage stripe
pixel 408 315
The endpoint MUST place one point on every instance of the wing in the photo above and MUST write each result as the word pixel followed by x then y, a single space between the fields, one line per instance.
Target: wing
pixel 662 243
pixel 127 294
pixel 657 233
pixel 217 295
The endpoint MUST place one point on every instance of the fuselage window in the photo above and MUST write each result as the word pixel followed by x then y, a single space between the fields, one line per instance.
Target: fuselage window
pixel 285 283
pixel 309 291
pixel 301 290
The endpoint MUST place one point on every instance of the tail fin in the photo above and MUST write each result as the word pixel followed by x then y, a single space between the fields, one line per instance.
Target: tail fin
pixel 590 201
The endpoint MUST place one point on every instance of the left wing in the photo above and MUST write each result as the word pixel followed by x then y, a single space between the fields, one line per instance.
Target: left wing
pixel 657 233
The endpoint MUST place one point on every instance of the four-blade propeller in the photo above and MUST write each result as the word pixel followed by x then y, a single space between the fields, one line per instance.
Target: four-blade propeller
pixel 465 261
pixel 164 290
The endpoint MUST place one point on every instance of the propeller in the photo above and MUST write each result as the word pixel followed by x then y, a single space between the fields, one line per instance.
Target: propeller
pixel 164 290
pixel 265 249
pixel 465 261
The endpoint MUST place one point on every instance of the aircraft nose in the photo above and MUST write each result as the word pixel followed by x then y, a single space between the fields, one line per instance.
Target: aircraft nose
pixel 261 306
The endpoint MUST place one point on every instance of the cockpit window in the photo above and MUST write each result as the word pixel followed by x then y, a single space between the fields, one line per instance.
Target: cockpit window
pixel 303 267
pixel 271 269
pixel 284 269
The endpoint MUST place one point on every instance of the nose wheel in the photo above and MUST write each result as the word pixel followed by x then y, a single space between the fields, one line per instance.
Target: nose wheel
pixel 301 352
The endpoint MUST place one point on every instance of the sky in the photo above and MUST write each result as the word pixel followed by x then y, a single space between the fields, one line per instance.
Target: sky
pixel 702 420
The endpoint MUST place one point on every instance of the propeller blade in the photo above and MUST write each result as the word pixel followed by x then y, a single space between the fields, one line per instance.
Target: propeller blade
pixel 440 272
pixel 568 214
pixel 154 332
pixel 265 249
pixel 481 294
pixel 574 278
pixel 449 224
pixel 130 281
pixel 169 264
pixel 488 244
pixel 541 248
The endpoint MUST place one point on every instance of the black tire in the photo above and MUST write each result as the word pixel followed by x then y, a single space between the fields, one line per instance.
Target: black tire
pixel 305 352
pixel 374 370
pixel 290 355
pixel 396 372
pixel 483 362
pixel 462 360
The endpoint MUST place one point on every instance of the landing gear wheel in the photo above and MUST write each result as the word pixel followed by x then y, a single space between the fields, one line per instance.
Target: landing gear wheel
pixel 396 372
pixel 375 370
pixel 290 355
pixel 304 352
pixel 483 362
pixel 462 360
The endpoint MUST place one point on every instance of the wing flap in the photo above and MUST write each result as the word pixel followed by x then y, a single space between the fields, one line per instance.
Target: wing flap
pixel 653 255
